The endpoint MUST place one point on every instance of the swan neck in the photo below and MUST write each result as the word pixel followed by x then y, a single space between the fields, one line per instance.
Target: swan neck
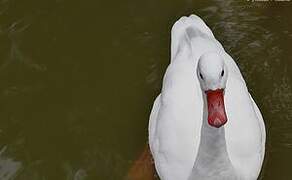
pixel 212 157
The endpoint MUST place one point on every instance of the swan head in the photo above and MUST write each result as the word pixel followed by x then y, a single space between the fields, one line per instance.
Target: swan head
pixel 212 74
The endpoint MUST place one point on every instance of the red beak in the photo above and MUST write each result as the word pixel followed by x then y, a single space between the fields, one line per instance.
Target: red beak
pixel 216 109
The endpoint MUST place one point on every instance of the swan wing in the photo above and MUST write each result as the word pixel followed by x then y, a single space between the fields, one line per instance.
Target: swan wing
pixel 262 126
pixel 153 121
pixel 176 117
pixel 244 131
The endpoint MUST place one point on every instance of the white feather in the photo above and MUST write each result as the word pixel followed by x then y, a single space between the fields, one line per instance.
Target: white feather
pixel 177 116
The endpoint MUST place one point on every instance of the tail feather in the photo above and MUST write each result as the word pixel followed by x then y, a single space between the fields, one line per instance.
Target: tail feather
pixel 186 28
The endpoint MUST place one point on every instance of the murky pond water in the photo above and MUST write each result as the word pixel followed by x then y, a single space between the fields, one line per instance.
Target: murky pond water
pixel 78 78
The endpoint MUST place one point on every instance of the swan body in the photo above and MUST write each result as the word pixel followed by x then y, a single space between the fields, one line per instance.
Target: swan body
pixel 185 140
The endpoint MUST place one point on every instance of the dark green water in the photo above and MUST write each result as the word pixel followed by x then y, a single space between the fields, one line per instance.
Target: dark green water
pixel 78 78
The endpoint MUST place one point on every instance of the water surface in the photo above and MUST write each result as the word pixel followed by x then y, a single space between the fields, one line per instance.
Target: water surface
pixel 78 79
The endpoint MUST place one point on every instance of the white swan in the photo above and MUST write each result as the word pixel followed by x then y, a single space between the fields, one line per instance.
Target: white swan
pixel 204 124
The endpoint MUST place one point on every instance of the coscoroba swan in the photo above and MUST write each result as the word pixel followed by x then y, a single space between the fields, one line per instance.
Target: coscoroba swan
pixel 204 124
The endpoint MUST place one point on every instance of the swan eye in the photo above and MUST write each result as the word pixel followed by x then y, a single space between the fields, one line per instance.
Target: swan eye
pixel 222 73
pixel 201 76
